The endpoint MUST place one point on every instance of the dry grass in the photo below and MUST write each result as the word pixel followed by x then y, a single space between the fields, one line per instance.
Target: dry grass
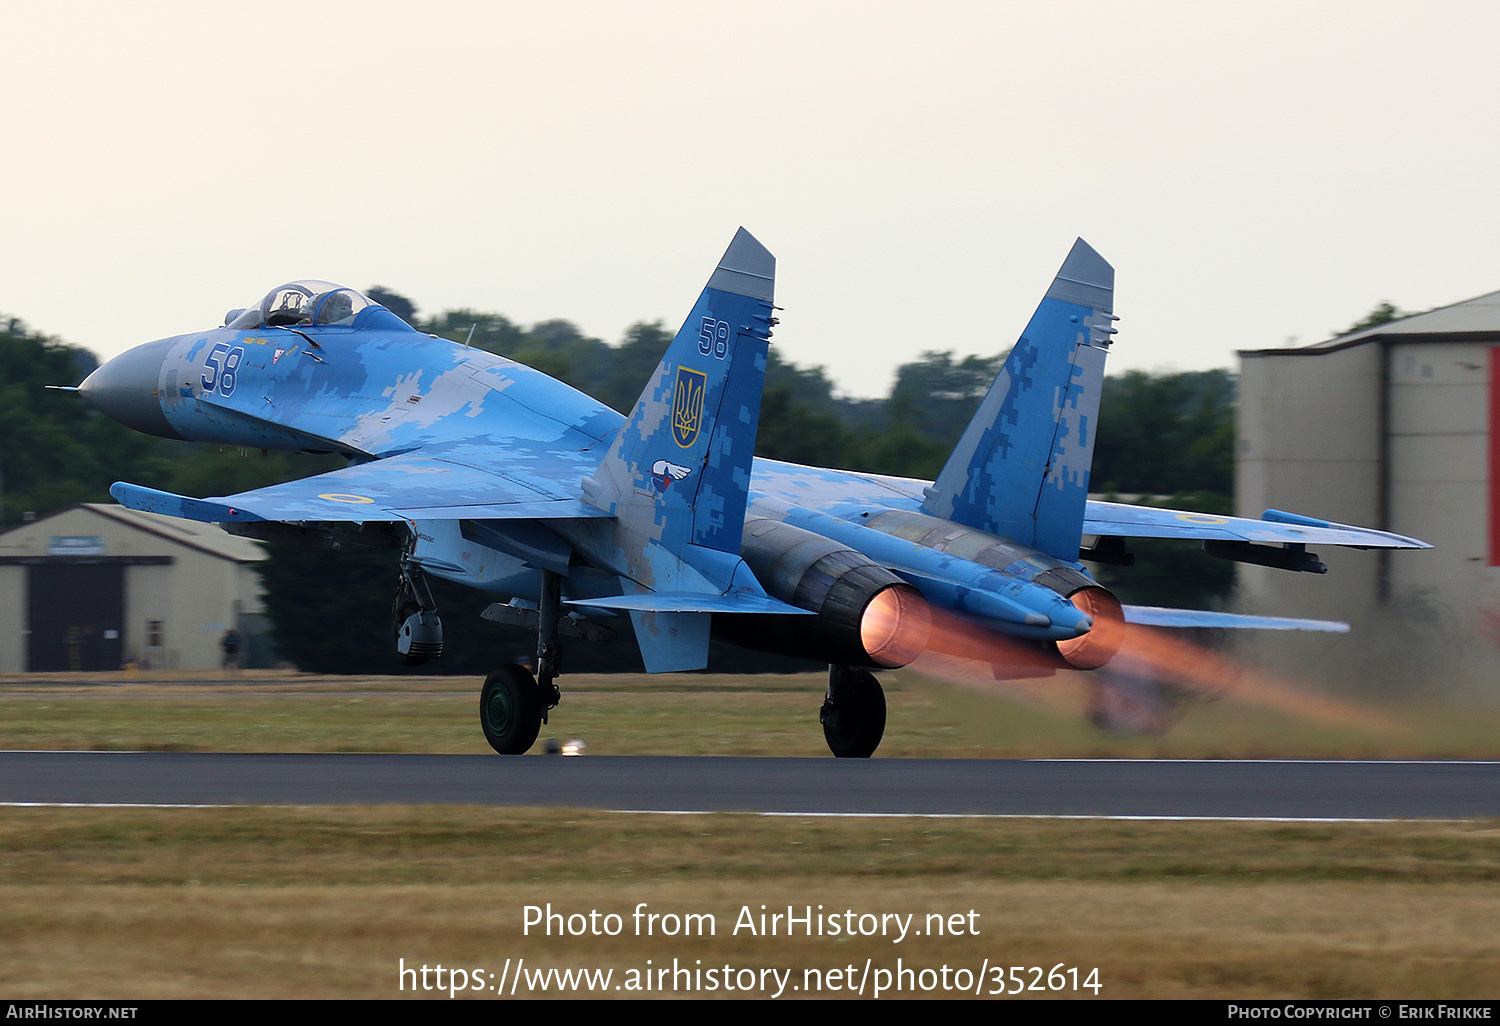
pixel 324 902
pixel 254 902
pixel 1147 940
pixel 421 845
pixel 696 714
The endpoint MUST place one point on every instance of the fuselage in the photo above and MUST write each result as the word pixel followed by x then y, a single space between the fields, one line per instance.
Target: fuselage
pixel 376 388
pixel 363 392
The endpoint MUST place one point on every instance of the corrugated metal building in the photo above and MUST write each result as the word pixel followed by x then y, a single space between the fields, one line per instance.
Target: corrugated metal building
pixel 95 586
pixel 1390 427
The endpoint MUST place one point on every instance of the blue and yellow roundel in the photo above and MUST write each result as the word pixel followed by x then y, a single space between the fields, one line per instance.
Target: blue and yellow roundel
pixel 687 406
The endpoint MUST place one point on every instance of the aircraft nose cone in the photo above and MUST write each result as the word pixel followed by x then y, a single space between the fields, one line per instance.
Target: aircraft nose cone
pixel 125 389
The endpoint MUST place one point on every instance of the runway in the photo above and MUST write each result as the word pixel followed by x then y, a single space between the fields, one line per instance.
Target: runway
pixel 1134 788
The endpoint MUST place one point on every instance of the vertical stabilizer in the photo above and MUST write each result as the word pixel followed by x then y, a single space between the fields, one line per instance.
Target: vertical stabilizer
pixel 677 477
pixel 1021 468
pixel 679 470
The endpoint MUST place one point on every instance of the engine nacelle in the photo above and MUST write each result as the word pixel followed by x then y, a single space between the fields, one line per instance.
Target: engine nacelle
pixel 867 616
pixel 1087 652
pixel 1100 644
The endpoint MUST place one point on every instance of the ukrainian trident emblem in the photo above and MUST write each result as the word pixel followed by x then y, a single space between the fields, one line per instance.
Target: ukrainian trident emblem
pixel 687 406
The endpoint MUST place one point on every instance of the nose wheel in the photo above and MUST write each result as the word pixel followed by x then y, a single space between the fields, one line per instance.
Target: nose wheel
pixel 419 632
pixel 853 713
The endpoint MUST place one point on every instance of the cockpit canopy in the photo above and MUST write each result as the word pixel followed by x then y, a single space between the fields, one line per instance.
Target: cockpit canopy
pixel 307 303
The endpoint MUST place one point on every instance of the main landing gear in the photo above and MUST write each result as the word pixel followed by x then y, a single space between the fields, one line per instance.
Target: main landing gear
pixel 853 714
pixel 514 704
pixel 510 709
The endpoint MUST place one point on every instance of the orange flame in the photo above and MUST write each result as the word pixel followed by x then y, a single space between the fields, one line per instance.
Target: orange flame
pixel 963 652
pixel 894 627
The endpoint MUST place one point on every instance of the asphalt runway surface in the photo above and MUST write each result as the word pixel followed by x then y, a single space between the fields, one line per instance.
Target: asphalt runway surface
pixel 1136 788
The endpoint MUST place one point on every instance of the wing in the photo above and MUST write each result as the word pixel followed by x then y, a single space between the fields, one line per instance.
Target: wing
pixel 1118 520
pixel 413 486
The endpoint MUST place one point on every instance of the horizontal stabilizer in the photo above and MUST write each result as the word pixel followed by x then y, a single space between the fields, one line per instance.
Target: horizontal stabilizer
pixel 693 603
pixel 1157 616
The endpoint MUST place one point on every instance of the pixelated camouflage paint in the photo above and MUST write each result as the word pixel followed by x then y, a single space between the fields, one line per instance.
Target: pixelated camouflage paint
pixel 1021 468
pixel 459 443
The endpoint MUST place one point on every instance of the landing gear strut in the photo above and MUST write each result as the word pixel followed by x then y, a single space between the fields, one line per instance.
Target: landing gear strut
pixel 548 653
pixel 419 632
pixel 853 714
pixel 514 704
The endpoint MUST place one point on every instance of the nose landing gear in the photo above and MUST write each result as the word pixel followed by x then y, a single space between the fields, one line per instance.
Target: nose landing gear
pixel 419 632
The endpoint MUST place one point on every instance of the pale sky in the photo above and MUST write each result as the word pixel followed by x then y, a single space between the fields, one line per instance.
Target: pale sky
pixel 1253 171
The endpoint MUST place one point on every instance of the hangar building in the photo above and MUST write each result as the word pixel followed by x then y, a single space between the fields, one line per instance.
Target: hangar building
pixel 96 585
pixel 1390 427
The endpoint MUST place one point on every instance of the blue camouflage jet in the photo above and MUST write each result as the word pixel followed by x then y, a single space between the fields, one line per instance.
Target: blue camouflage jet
pixel 484 471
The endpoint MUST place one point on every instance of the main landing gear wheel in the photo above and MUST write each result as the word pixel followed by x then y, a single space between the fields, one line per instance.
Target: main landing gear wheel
pixel 510 710
pixel 853 714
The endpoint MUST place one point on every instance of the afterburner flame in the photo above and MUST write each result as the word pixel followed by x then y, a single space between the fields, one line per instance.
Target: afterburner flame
pixel 956 638
pixel 1206 672
pixel 895 626
pixel 1100 644
pixel 965 653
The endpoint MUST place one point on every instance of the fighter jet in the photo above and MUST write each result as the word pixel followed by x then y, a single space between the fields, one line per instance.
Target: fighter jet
pixel 483 471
